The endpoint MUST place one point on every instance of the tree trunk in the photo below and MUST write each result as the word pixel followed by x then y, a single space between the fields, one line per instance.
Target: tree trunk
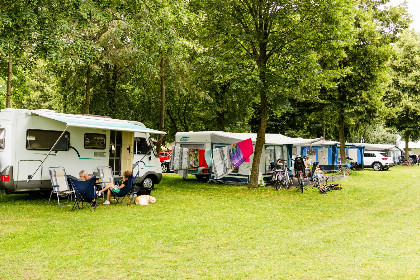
pixel 407 139
pixel 9 82
pixel 341 137
pixel 171 118
pixel 88 78
pixel 111 79
pixel 114 83
pixel 261 131
pixel 162 102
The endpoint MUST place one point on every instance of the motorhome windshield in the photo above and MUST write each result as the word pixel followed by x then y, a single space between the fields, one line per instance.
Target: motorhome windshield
pixel 37 139
pixel 95 141
pixel 2 138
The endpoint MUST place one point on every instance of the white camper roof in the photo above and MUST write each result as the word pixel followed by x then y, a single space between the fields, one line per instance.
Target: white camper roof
pixel 322 142
pixel 95 122
pixel 411 145
pixel 230 137
pixel 377 147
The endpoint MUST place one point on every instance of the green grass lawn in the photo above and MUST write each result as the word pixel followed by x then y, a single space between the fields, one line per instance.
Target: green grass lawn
pixel 368 230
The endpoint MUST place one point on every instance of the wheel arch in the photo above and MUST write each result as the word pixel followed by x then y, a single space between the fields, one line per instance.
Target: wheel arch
pixel 156 177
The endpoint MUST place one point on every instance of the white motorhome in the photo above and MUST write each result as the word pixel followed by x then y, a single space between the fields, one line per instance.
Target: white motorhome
pixel 276 147
pixel 32 141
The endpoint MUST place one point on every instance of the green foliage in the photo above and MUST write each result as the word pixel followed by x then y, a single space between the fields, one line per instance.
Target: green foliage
pixel 403 96
pixel 310 60
pixel 279 42
pixel 377 134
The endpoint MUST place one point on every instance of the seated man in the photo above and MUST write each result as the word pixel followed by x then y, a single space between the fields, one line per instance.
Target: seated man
pixel 115 189
pixel 84 175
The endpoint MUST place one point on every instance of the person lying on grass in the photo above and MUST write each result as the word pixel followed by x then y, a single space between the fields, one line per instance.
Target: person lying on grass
pixel 116 189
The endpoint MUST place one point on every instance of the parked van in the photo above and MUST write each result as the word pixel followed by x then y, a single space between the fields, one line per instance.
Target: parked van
pixel 32 141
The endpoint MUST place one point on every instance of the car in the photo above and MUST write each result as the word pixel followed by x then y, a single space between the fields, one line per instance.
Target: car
pixel 165 159
pixel 377 160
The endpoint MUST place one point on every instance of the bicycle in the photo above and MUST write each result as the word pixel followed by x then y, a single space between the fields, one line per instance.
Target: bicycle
pixel 299 171
pixel 300 179
pixel 321 182
pixel 281 178
pixel 277 178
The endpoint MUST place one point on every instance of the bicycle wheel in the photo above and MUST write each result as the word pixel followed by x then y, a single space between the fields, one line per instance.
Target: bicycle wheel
pixel 285 182
pixel 301 182
pixel 278 184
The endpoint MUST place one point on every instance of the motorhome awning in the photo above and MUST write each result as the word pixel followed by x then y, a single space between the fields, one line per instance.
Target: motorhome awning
pixel 96 122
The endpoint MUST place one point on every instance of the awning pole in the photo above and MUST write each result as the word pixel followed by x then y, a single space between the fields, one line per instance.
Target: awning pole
pixel 49 152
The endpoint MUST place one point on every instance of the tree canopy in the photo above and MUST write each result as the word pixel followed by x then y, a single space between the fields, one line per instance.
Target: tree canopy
pixel 298 67
pixel 403 96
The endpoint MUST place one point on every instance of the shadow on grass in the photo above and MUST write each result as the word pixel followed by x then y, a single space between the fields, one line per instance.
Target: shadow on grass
pixel 35 197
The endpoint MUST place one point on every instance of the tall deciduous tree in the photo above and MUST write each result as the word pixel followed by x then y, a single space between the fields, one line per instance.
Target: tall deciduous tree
pixel 31 28
pixel 158 25
pixel 403 95
pixel 274 35
pixel 357 96
pixel 18 23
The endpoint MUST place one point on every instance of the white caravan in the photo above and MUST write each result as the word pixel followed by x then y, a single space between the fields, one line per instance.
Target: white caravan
pixel 276 147
pixel 32 141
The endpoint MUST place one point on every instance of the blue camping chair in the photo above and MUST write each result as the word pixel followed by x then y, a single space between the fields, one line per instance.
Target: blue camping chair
pixel 85 193
pixel 125 193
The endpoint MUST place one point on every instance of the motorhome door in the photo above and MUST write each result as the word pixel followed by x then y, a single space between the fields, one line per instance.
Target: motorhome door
pixel 115 152
pixel 127 151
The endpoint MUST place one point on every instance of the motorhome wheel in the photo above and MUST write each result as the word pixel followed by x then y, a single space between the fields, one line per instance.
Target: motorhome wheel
pixel 148 183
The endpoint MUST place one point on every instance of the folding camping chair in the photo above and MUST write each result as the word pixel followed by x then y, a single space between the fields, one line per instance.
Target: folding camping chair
pixel 84 193
pixel 125 193
pixel 105 174
pixel 59 184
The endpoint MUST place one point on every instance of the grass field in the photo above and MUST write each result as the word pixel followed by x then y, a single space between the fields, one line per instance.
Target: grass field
pixel 368 230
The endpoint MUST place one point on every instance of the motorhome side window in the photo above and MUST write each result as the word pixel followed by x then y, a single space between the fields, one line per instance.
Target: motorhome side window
pixel 37 139
pixel 2 138
pixel 141 146
pixel 95 141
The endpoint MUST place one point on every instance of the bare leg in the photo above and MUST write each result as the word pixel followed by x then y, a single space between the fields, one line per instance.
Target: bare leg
pixel 110 185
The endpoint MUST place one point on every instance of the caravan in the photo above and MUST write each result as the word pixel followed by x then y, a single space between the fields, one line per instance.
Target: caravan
pixel 32 141
pixel 276 147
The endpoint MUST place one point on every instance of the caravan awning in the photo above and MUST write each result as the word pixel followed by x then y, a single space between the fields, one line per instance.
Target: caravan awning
pixel 377 147
pixel 231 137
pixel 96 122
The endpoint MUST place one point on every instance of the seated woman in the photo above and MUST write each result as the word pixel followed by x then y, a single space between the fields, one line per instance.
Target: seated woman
pixel 115 189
